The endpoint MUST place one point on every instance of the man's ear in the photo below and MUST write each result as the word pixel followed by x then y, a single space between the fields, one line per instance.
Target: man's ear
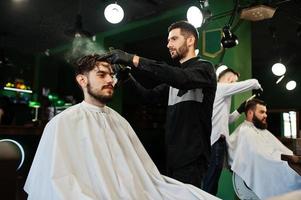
pixel 190 41
pixel 82 80
pixel 250 114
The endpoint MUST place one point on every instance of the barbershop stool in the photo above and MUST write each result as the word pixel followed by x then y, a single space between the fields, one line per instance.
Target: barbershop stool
pixel 241 189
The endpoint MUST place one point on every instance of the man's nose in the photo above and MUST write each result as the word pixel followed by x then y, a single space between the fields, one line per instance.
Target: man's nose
pixel 109 79
pixel 168 45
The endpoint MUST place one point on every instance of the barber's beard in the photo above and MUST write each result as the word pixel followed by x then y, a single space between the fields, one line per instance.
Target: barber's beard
pixel 181 52
pixel 258 123
pixel 101 98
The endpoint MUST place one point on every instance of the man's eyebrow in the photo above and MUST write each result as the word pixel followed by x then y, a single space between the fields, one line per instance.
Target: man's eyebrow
pixel 105 65
pixel 101 71
pixel 172 37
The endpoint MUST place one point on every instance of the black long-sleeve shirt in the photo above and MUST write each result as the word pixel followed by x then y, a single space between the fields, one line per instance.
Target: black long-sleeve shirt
pixel 191 89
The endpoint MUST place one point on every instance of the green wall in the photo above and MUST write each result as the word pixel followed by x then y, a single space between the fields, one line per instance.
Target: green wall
pixel 238 58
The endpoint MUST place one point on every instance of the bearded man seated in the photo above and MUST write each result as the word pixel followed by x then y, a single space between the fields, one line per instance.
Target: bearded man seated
pixel 255 155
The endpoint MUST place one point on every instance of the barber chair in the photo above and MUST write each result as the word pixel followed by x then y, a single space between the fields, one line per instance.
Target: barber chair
pixel 12 150
pixel 11 160
pixel 242 191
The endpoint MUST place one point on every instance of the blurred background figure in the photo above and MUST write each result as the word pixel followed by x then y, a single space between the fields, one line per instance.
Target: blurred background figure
pixel 6 113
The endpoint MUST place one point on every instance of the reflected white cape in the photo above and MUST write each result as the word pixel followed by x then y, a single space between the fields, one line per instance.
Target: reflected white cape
pixel 255 155
pixel 87 152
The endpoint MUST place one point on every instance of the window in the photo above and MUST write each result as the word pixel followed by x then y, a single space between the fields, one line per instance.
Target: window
pixel 290 125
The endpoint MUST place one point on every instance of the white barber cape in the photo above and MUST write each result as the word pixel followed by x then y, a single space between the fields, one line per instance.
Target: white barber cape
pixel 87 152
pixel 255 155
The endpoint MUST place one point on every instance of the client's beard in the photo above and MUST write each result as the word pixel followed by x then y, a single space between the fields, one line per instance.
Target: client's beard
pixel 101 98
pixel 259 124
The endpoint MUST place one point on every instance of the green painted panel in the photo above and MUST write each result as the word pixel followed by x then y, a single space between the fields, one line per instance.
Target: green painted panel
pixel 211 46
pixel 226 190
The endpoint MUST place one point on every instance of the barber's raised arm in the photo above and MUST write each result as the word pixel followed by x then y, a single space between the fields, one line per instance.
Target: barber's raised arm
pixel 154 95
pixel 233 116
pixel 198 75
pixel 239 87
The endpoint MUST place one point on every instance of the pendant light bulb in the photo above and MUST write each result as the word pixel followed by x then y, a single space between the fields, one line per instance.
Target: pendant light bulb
pixel 195 16
pixel 278 69
pixel 114 13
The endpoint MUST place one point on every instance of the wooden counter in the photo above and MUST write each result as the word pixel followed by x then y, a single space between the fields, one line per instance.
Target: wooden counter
pixel 293 161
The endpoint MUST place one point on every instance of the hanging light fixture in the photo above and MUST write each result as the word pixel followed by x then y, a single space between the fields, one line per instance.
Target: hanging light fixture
pixel 278 69
pixel 291 85
pixel 196 15
pixel 78 30
pixel 229 40
pixel 280 79
pixel 114 13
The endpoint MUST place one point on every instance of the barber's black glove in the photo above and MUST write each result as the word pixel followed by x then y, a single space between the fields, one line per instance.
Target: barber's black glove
pixel 123 74
pixel 117 56
pixel 242 107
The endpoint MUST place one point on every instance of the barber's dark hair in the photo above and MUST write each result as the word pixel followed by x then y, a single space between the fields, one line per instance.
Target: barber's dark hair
pixel 87 63
pixel 225 72
pixel 251 104
pixel 186 30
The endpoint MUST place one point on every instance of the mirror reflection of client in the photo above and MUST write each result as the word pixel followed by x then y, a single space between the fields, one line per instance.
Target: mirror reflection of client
pixel 255 155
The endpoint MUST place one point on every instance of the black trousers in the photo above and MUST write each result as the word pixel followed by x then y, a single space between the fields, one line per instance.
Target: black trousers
pixel 218 152
pixel 191 173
